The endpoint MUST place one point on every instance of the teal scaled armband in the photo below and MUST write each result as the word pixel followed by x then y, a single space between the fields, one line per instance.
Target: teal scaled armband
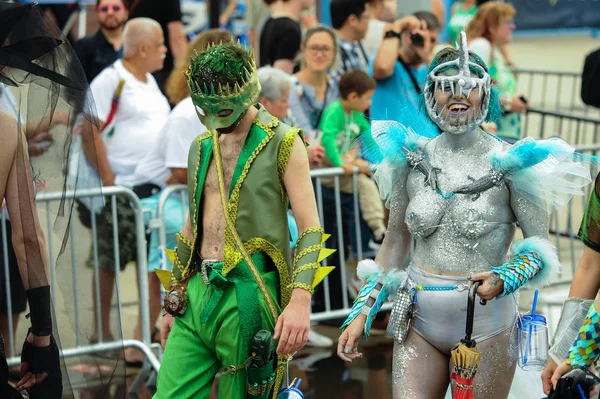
pixel 306 261
pixel 585 350
pixel 183 253
pixel 377 288
pixel 534 261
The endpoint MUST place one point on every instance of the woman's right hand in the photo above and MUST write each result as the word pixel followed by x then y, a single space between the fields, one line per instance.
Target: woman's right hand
pixel 315 154
pixel 347 348
pixel 348 168
pixel 518 105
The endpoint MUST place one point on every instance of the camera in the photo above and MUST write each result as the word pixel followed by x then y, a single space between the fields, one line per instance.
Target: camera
pixel 576 384
pixel 417 39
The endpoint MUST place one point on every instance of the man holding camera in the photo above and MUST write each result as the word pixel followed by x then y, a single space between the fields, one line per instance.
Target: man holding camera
pixel 400 66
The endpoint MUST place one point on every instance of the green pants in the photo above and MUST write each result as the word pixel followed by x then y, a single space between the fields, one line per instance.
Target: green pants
pixel 197 351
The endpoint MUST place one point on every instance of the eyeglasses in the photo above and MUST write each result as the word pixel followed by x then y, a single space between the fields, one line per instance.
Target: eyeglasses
pixel 115 8
pixel 320 49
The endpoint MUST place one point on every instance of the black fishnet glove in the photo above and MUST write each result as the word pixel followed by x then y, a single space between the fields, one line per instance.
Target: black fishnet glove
pixel 40 371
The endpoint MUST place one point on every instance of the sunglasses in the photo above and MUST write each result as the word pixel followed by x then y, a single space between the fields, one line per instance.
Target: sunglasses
pixel 115 8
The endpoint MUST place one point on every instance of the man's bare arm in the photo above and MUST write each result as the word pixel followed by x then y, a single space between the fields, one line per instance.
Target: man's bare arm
pixel 95 151
pixel 177 40
pixel 294 322
pixel 586 281
pixel 300 189
pixel 178 176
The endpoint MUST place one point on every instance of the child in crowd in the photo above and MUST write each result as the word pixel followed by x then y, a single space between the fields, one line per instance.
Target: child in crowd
pixel 342 122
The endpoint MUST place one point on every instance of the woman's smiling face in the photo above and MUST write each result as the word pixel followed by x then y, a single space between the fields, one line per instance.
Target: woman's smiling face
pixel 456 105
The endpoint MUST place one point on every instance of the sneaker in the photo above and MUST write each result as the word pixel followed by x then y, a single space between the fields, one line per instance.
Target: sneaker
pixel 318 340
pixel 306 363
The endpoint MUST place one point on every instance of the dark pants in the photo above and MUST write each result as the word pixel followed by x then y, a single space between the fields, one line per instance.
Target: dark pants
pixel 6 391
pixel 348 230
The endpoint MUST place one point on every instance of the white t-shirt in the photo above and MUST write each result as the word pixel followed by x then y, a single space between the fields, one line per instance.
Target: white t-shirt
pixel 404 8
pixel 374 37
pixel 142 112
pixel 482 48
pixel 171 148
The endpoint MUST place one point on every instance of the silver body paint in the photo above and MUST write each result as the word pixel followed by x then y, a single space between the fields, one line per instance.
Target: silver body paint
pixel 457 235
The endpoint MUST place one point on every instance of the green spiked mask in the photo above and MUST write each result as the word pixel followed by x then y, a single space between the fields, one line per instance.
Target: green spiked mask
pixel 221 106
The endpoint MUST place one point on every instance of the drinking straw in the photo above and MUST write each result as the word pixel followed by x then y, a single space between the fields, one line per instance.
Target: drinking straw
pixel 527 346
pixel 581 392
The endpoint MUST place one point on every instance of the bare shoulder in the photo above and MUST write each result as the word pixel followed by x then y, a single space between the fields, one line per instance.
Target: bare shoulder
pixel 299 156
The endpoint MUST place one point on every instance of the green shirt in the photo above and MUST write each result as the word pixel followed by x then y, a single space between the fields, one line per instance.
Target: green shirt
pixel 339 130
pixel 590 226
pixel 459 21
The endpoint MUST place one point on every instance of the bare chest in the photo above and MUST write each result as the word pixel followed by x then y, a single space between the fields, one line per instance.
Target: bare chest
pixel 213 218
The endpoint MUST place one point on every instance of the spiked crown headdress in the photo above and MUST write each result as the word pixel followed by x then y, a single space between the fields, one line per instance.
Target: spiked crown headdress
pixel 238 93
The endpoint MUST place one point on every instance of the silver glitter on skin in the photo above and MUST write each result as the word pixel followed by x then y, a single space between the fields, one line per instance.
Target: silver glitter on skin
pixel 458 235
pixel 462 235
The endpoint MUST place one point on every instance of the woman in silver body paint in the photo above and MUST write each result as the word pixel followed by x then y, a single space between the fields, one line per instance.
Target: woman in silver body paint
pixel 458 195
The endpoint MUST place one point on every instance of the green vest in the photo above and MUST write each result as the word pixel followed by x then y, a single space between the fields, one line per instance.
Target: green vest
pixel 258 202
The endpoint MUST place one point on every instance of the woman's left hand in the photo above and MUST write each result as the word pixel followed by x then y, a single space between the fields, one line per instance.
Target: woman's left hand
pixel 563 369
pixel 491 285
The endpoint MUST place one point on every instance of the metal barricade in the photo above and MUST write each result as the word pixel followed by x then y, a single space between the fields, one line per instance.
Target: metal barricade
pixel 582 133
pixel 76 347
pixel 553 90
pixel 574 129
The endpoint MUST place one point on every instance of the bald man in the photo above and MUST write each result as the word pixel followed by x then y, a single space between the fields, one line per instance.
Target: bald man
pixel 125 138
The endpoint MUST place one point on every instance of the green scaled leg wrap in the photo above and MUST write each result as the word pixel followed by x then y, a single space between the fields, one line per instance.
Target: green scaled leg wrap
pixel 306 261
pixel 585 350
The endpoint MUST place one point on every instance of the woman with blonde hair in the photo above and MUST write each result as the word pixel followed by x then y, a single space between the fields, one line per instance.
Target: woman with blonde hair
pixel 489 30
pixel 176 87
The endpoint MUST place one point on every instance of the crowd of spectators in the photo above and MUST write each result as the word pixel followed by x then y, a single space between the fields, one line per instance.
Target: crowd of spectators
pixel 329 81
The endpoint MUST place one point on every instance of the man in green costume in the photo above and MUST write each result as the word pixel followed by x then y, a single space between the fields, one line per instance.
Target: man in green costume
pixel 233 275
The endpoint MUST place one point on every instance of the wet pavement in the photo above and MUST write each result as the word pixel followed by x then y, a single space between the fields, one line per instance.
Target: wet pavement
pixel 324 375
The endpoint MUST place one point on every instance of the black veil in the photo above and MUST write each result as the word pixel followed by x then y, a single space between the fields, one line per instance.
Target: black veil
pixel 40 70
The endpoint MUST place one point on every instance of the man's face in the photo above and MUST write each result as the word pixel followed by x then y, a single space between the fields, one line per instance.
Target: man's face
pixel 423 52
pixel 279 107
pixel 112 14
pixel 307 4
pixel 456 107
pixel 155 50
pixel 360 23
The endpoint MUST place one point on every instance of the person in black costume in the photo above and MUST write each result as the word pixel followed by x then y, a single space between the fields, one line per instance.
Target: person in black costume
pixel 37 63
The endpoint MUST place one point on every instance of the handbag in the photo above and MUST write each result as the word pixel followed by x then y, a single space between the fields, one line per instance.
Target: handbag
pixel 403 311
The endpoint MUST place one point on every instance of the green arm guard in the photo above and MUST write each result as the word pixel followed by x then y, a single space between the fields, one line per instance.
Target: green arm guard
pixel 306 263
